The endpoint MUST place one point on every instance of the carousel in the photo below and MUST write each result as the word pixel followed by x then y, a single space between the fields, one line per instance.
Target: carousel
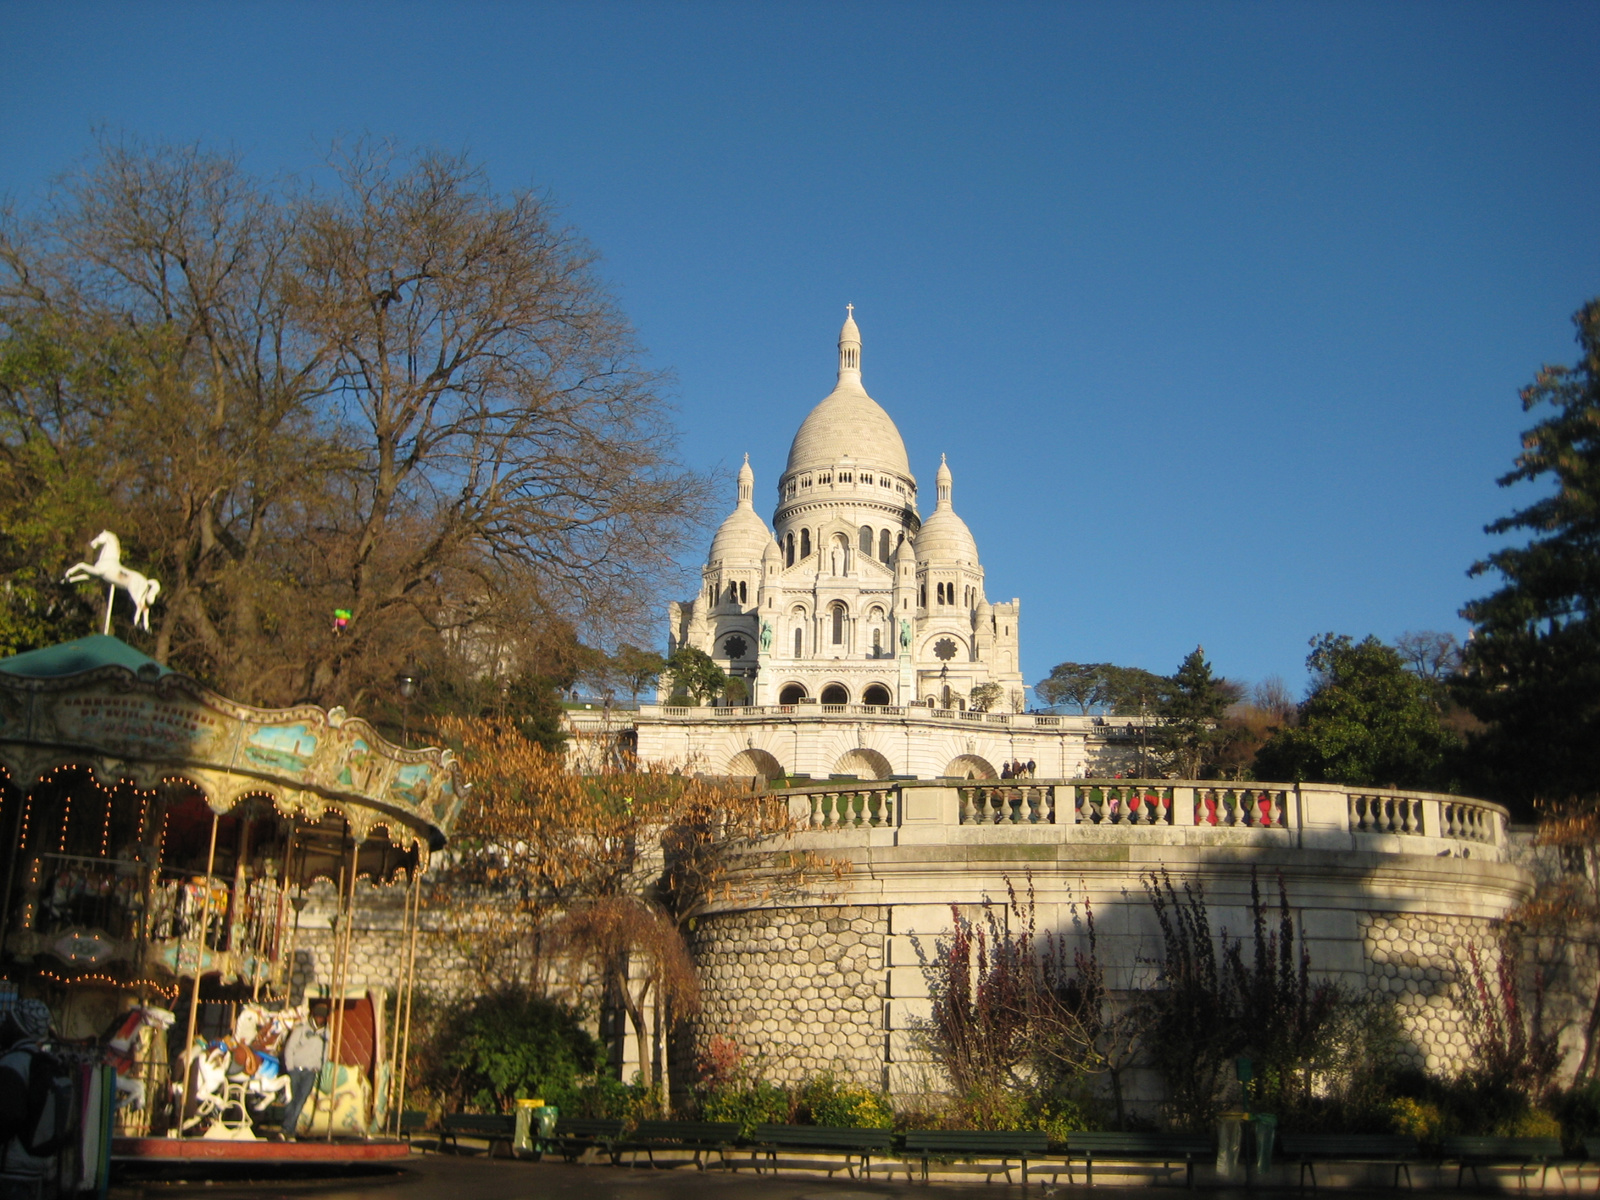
pixel 163 840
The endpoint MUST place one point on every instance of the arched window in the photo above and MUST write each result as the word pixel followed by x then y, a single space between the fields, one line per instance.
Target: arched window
pixel 805 543
pixel 792 693
pixel 838 624
pixel 788 550
pixel 744 596
pixel 922 596
pixel 883 545
pixel 799 642
pixel 835 693
pixel 733 593
pixel 877 642
pixel 876 694
pixel 866 541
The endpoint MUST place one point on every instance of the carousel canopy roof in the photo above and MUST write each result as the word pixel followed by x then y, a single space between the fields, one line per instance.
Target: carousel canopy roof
pixel 98 703
pixel 80 655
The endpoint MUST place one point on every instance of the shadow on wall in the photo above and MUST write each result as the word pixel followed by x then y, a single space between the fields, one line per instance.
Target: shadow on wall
pixel 302 975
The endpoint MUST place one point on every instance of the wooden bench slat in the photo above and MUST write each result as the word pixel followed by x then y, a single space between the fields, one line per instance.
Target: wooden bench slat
pixel 1023 1145
pixel 1138 1146
pixel 698 1136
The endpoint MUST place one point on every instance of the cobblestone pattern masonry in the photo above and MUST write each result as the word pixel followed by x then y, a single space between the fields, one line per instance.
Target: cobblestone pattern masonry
pixel 801 987
pixel 377 951
pixel 1420 962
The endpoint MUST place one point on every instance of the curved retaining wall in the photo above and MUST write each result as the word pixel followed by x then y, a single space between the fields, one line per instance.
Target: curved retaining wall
pixel 1388 889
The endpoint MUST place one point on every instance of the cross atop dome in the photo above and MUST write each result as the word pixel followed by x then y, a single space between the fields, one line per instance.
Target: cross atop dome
pixel 850 347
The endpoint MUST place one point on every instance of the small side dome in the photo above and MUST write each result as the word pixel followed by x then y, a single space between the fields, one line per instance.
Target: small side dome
pixel 945 540
pixel 744 536
pixel 944 537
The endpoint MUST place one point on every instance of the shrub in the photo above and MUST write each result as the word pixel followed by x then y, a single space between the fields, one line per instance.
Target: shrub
pixel 731 1089
pixel 503 1047
pixel 1420 1119
pixel 748 1103
pixel 826 1100
pixel 602 1095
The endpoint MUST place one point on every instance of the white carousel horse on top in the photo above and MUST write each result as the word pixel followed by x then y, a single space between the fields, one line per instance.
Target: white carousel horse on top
pixel 140 588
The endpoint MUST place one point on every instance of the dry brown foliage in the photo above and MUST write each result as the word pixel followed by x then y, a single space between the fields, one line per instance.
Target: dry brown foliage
pixel 591 879
pixel 1564 911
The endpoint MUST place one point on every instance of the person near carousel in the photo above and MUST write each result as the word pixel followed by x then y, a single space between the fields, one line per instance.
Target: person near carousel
pixel 304 1051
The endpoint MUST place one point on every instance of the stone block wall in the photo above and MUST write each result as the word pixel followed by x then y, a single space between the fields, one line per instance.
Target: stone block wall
pixel 1420 962
pixel 803 988
pixel 377 950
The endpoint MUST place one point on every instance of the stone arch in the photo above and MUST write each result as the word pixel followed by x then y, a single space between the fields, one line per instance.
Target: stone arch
pixel 876 693
pixel 791 693
pixel 970 766
pixel 835 693
pixel 863 764
pixel 750 763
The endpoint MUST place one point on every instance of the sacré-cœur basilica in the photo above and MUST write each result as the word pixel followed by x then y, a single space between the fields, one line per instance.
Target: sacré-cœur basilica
pixel 860 628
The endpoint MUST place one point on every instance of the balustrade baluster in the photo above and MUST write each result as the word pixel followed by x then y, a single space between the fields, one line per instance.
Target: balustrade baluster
pixel 874 808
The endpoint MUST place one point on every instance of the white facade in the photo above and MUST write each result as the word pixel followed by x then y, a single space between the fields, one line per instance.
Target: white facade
pixel 852 598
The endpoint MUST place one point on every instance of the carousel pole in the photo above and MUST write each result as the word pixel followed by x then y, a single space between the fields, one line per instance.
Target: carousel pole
pixel 393 1057
pixel 336 1042
pixel 403 1039
pixel 199 963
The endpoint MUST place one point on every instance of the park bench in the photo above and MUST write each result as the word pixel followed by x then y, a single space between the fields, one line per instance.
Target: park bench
pixel 1308 1149
pixel 846 1147
pixel 700 1137
pixel 575 1136
pixel 492 1127
pixel 947 1145
pixel 412 1121
pixel 1137 1146
pixel 1524 1153
pixel 1591 1157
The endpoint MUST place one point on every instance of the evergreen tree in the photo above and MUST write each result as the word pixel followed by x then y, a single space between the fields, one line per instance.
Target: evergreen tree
pixel 1532 666
pixel 1193 731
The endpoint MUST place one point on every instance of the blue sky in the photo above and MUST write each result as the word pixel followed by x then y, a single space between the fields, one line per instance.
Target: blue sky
pixel 1219 310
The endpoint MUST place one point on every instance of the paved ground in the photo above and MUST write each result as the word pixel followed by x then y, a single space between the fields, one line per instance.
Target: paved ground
pixel 451 1177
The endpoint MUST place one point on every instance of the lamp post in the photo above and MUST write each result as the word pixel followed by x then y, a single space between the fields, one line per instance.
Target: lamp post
pixel 406 683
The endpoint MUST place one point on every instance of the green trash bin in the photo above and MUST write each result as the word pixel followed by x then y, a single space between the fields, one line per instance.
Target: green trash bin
pixel 546 1115
pixel 1265 1126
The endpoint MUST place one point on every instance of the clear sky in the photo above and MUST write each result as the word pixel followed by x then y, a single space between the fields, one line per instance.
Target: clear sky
pixel 1219 310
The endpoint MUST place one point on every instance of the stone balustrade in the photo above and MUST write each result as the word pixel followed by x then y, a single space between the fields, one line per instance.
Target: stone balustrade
pixel 1313 816
pixel 955 716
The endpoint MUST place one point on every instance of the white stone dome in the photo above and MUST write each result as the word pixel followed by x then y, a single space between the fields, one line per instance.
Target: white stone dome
pixel 849 426
pixel 744 536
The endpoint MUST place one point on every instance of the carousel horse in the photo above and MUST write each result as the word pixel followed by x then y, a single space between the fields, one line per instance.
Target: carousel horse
pixel 204 1069
pixel 122 1051
pixel 108 567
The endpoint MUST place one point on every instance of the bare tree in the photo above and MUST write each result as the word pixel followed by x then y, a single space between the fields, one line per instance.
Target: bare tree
pixel 405 397
pixel 1430 654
